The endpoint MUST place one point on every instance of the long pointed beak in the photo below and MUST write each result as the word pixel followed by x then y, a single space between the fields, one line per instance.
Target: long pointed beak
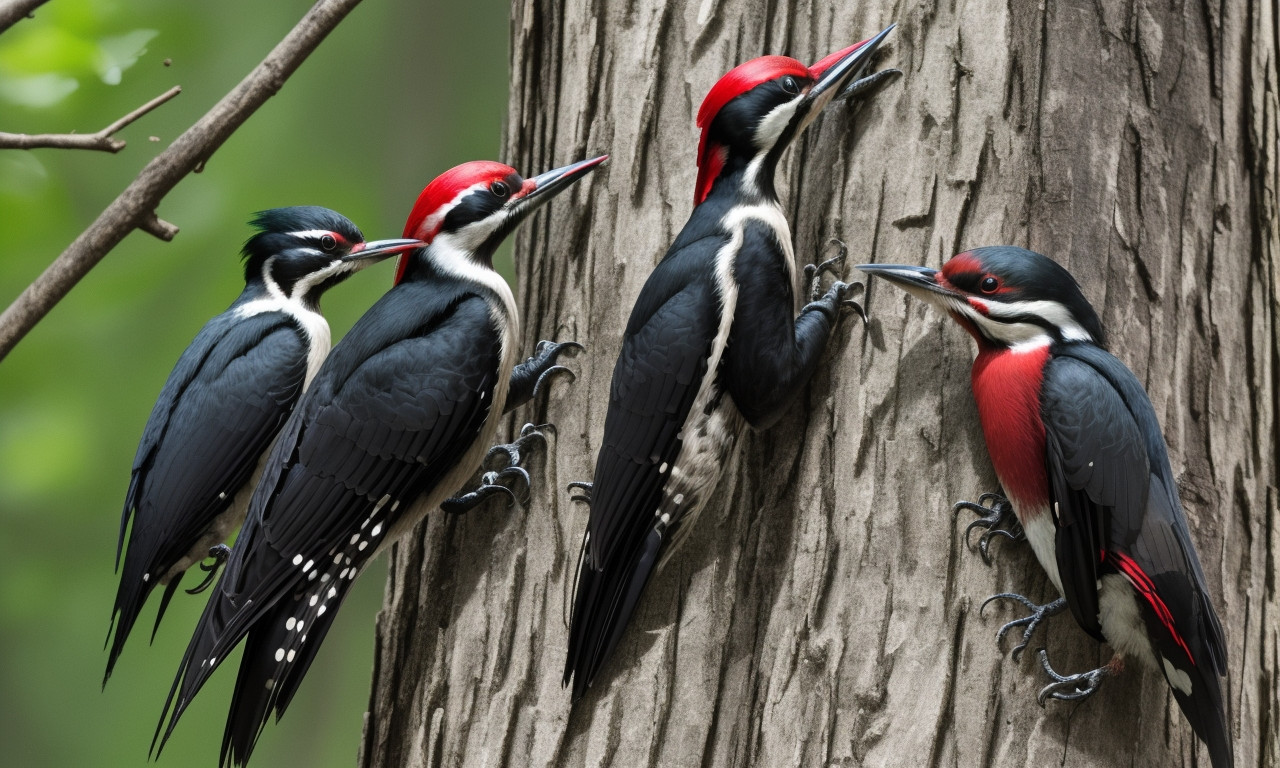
pixel 921 282
pixel 840 68
pixel 545 186
pixel 377 250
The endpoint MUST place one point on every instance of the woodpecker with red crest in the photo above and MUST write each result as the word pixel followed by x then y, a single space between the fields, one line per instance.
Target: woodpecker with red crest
pixel 228 395
pixel 713 343
pixel 1077 448
pixel 399 415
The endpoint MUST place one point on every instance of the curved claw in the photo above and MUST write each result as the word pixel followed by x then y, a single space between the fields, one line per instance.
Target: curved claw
pixel 537 385
pixel 504 476
pixel 1038 614
pixel 512 450
pixel 1000 512
pixel 554 348
pixel 1081 686
pixel 814 272
pixel 585 496
pixel 469 501
pixel 219 553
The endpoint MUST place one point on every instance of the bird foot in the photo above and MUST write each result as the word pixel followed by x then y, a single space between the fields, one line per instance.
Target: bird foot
pixel 867 86
pixel 585 496
pixel 1038 614
pixel 998 520
pixel 529 378
pixel 219 553
pixel 503 479
pixel 836 297
pixel 1075 687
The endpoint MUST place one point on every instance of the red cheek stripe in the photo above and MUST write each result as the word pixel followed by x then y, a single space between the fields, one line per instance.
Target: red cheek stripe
pixel 1142 583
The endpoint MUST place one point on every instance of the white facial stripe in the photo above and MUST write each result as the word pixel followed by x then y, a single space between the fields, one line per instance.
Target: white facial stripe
pixel 307 234
pixel 1053 312
pixel 774 123
pixel 437 217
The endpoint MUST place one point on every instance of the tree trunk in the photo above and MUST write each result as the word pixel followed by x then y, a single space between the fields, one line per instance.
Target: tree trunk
pixel 825 609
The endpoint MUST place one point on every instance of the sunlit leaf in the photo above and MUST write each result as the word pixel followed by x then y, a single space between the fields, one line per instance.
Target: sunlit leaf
pixel 116 54
pixel 37 90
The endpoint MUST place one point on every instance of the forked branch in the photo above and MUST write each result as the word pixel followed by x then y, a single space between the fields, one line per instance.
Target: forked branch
pixel 135 207
pixel 104 140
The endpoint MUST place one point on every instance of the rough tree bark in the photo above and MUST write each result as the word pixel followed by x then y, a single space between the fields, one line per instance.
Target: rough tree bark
pixel 825 610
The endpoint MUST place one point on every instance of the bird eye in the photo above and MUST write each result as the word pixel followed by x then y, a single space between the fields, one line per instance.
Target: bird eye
pixel 989 284
pixel 790 85
pixel 328 242
pixel 499 189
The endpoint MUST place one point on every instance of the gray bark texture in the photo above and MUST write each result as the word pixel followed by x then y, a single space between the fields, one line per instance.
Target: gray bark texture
pixel 825 609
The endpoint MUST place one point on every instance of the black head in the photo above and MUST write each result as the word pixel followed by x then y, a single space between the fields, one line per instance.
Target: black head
pixel 303 250
pixel 1004 296
pixel 757 109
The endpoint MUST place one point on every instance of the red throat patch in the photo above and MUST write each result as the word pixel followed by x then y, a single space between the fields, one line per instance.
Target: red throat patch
pixel 1006 386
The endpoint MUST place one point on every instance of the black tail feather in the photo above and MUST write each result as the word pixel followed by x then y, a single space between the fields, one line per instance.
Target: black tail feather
pixel 279 651
pixel 603 605
pixel 1204 709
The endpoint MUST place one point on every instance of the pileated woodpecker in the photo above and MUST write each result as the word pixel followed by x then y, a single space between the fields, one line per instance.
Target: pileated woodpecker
pixel 398 416
pixel 226 398
pixel 713 343
pixel 1077 447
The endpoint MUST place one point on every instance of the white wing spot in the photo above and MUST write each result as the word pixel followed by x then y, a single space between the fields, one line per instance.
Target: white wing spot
pixel 222 496
pixel 289 656
pixel 146 577
pixel 662 468
pixel 321 611
pixel 377 529
pixel 337 559
pixel 297 559
pixel 270 683
pixel 300 623
pixel 314 599
pixel 332 593
pixel 1176 677
pixel 363 544
pixel 309 565
pixel 679 499
pixel 288 625
pixel 324 578
pixel 354 538
pixel 279 654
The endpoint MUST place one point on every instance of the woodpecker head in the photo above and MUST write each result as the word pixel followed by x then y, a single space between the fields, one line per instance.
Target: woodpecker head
pixel 1004 296
pixel 470 209
pixel 303 250
pixel 756 110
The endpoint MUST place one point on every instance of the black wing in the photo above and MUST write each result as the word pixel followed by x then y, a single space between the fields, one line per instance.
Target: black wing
pixel 226 398
pixel 664 358
pixel 1117 510
pixel 394 409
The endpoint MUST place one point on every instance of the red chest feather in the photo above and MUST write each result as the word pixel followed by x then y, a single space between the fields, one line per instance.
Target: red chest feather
pixel 1006 386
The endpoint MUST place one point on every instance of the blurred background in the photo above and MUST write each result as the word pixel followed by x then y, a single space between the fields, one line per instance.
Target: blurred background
pixel 401 91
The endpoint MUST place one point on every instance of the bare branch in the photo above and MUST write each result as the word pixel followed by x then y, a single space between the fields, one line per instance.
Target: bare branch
pixel 102 140
pixel 13 11
pixel 136 205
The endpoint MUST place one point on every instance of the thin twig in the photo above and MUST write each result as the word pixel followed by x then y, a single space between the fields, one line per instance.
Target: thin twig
pixel 102 140
pixel 137 204
pixel 13 11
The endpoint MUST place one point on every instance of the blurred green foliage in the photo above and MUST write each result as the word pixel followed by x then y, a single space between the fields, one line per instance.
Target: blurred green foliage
pixel 400 92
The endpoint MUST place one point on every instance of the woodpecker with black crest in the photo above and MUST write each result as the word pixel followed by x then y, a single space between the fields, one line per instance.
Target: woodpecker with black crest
pixel 713 343
pixel 226 399
pixel 1077 448
pixel 399 415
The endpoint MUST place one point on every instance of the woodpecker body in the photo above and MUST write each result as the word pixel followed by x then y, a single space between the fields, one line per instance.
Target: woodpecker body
pixel 398 417
pixel 1076 445
pixel 713 344
pixel 226 398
